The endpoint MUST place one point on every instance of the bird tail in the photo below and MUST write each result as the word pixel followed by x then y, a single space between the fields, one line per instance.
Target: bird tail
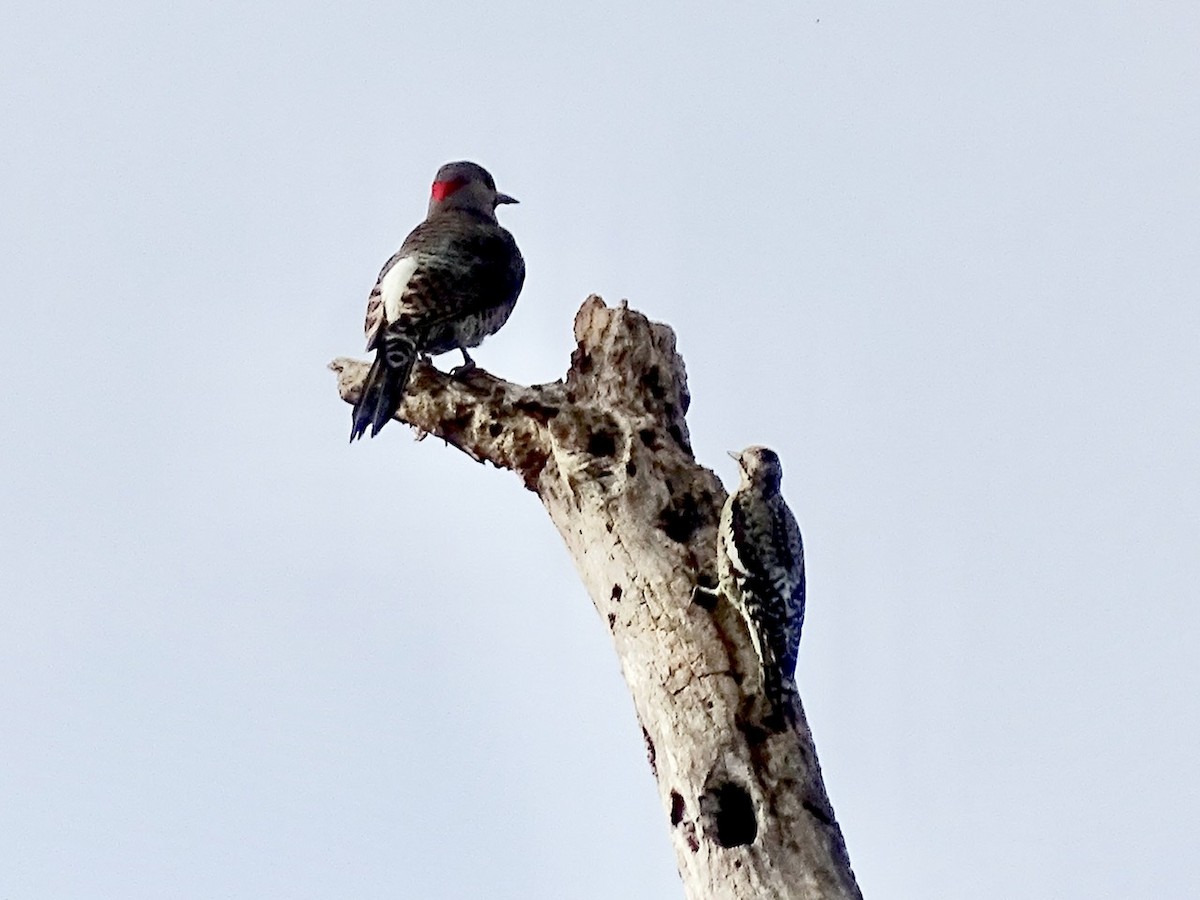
pixel 779 686
pixel 383 389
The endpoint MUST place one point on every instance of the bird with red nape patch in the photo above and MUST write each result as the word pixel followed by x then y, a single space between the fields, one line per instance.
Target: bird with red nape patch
pixel 453 282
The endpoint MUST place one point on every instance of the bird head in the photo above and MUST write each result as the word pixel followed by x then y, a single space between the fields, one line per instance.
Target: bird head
pixel 760 466
pixel 465 185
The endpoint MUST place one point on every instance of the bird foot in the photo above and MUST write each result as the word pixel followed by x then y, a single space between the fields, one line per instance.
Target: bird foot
pixel 705 597
pixel 468 366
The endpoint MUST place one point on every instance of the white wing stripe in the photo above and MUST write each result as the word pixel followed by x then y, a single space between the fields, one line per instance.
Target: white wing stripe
pixel 393 284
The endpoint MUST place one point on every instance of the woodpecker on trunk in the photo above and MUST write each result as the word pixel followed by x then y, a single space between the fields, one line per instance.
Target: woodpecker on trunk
pixel 454 281
pixel 760 568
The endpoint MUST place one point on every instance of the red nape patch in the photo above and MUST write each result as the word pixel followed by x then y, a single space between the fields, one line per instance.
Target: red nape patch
pixel 443 189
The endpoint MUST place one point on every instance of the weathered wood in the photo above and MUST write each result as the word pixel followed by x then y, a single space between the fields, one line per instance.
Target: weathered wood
pixel 608 452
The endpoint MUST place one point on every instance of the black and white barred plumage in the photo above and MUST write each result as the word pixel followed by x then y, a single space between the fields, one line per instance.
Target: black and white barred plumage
pixel 760 566
pixel 454 281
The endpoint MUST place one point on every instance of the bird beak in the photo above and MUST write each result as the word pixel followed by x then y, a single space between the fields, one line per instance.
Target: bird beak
pixel 734 455
pixel 504 198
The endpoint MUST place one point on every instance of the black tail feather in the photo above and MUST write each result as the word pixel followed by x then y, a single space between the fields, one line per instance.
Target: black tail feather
pixel 383 389
pixel 779 686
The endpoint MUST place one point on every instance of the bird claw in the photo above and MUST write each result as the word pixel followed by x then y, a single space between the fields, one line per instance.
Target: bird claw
pixel 466 368
pixel 705 597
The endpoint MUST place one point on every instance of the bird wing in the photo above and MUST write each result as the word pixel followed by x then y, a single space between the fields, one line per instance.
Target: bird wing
pixel 777 554
pixel 749 559
pixel 388 277
pixel 437 274
pixel 787 537
pixel 790 547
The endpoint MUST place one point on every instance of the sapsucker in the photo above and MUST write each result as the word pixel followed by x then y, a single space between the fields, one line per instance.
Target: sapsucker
pixel 760 567
pixel 454 281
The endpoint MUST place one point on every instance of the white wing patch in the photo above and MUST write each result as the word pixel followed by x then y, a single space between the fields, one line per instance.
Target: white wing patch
pixel 393 285
pixel 735 559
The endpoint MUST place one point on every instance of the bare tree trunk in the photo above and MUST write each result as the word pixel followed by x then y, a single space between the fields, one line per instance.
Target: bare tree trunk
pixel 607 450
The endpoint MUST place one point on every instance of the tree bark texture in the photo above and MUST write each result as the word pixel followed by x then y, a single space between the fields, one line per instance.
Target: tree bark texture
pixel 608 452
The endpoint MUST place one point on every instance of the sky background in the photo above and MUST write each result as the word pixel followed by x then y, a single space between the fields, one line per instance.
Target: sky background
pixel 944 260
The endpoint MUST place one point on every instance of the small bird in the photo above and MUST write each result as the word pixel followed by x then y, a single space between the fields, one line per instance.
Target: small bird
pixel 760 568
pixel 454 281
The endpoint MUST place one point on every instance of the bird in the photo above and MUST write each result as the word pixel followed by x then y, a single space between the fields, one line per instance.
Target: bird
pixel 760 568
pixel 453 282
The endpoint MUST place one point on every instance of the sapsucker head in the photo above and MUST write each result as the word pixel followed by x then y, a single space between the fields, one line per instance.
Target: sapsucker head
pixel 760 468
pixel 465 185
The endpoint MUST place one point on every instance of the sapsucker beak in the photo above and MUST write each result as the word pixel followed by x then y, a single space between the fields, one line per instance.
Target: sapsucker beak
pixel 504 198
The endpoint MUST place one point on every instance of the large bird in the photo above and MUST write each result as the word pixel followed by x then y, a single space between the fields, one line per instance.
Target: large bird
pixel 454 281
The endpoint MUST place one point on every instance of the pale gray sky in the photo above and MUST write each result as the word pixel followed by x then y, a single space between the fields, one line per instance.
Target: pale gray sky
pixel 943 260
